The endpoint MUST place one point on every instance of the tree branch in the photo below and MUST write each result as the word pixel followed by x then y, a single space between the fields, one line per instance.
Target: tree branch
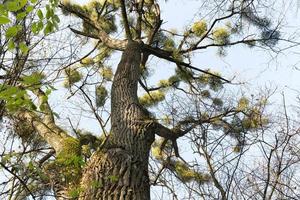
pixel 19 178
pixel 168 56
pixel 90 35
pixel 125 20
pixel 102 35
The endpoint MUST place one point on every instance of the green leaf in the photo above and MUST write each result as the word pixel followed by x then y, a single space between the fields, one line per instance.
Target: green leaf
pixel 12 31
pixel 33 1
pixel 22 3
pixel 2 9
pixel 15 5
pixel 55 25
pixel 29 9
pixel 34 28
pixel 30 165
pixel 40 14
pixel 49 28
pixel 40 26
pixel 4 20
pixel 11 45
pixel 49 12
pixel 24 48
pixel 48 7
pixel 48 92
pixel 33 79
pixel 12 6
pixel 21 15
pixel 56 18
pixel 8 92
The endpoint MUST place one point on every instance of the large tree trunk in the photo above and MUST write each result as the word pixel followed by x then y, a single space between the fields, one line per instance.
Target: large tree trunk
pixel 120 169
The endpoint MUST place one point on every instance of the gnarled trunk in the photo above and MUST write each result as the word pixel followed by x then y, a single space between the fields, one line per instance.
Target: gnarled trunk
pixel 120 169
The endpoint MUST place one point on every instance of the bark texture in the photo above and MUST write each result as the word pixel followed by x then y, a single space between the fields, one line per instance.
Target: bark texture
pixel 119 171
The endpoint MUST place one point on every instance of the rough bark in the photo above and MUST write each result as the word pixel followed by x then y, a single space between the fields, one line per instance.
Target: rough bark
pixel 120 169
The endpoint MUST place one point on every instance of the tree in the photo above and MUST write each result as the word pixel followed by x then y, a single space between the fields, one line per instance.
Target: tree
pixel 74 164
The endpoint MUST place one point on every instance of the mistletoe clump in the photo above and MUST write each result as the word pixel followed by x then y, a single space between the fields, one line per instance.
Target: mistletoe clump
pixel 199 28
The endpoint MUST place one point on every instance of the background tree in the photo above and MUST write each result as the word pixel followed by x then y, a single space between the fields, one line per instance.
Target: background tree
pixel 45 153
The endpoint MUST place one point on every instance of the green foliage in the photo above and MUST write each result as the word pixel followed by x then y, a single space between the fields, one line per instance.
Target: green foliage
pixel 37 27
pixel 11 45
pixel 152 99
pixel 217 123
pixel 199 28
pixel 33 81
pixel 186 174
pixel 15 98
pixel 88 141
pixel 150 17
pixel 172 81
pixel 36 172
pixel 23 47
pixel 106 73
pixel 15 5
pixel 96 184
pixel 104 53
pixel 217 102
pixel 213 82
pixel 164 83
pixel 74 192
pixel 13 31
pixel 71 146
pixel 47 19
pixel 159 153
pixel 221 35
pixel 205 94
pixel 184 74
pixel 16 10
pixel 4 20
pixel 247 118
pixel 177 55
pixel 270 37
pixel 254 119
pixel 86 151
pixel 101 94
pixel 26 132
pixel 169 44
pixel 73 76
pixel 243 104
pixel 51 18
pixel 68 163
pixel 105 20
